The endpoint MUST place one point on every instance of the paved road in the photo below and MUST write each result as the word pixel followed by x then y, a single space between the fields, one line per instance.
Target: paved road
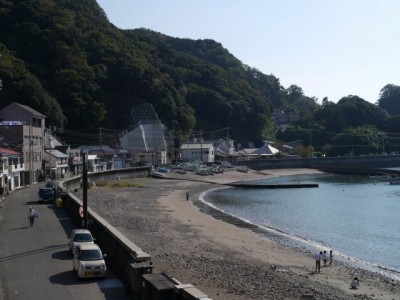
pixel 35 262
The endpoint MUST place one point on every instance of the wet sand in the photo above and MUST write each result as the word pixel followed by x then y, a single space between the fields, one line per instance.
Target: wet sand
pixel 224 259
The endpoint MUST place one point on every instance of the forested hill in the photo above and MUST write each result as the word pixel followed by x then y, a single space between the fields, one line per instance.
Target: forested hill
pixel 66 60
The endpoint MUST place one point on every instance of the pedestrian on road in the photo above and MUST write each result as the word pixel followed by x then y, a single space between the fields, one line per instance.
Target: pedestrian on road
pixel 318 257
pixel 31 216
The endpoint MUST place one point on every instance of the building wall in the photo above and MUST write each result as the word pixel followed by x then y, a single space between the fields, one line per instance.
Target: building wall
pixel 196 154
pixel 27 139
pixel 33 151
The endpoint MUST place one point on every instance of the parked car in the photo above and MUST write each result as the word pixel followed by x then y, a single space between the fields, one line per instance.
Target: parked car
pixel 79 237
pixel 89 261
pixel 47 193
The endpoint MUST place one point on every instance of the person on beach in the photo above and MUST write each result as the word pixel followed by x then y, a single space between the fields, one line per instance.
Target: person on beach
pixel 325 258
pixel 187 196
pixel 330 257
pixel 318 257
pixel 355 283
pixel 31 216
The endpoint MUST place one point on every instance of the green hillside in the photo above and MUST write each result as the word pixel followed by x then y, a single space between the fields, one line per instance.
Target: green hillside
pixel 65 59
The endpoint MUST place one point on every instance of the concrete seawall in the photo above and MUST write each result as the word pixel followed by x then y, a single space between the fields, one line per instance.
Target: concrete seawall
pixel 128 261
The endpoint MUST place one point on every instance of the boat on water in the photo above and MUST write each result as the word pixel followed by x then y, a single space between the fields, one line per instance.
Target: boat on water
pixel 394 181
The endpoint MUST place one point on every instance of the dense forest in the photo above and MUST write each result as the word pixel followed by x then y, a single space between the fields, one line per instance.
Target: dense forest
pixel 66 60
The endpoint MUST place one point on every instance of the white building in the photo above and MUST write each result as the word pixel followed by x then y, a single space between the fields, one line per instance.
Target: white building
pixel 198 152
pixel 57 163
pixel 22 130
pixel 11 170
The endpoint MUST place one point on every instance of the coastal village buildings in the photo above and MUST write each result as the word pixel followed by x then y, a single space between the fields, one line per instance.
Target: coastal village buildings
pixel 3 173
pixel 198 151
pixel 57 164
pixel 11 170
pixel 22 130
pixel 282 120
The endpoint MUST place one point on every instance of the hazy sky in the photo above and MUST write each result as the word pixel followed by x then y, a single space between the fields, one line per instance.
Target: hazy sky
pixel 329 48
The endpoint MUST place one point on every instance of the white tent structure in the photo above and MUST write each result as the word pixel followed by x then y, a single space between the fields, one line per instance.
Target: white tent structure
pixel 145 139
pixel 266 149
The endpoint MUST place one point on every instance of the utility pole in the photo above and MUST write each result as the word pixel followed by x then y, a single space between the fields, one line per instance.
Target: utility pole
pixel 30 152
pixel 201 146
pixel 84 190
pixel 100 136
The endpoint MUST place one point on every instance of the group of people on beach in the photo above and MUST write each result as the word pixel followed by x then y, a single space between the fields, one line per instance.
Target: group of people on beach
pixel 322 256
pixel 355 283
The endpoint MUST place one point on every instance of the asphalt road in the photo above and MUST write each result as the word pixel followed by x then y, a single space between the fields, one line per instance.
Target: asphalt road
pixel 35 262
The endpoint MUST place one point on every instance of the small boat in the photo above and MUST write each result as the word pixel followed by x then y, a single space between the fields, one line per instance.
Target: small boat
pixel 180 171
pixel 243 169
pixel 157 175
pixel 394 181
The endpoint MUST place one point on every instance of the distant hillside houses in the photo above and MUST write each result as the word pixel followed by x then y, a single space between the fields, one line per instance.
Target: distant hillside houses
pixel 282 120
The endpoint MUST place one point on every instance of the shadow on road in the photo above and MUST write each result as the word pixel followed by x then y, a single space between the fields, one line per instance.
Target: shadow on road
pixel 19 228
pixel 65 278
pixel 70 278
pixel 32 252
pixel 62 255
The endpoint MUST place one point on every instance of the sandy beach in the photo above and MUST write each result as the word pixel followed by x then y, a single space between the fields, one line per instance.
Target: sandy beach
pixel 225 261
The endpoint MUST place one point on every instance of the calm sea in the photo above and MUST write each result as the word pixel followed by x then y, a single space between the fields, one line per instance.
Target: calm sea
pixel 355 216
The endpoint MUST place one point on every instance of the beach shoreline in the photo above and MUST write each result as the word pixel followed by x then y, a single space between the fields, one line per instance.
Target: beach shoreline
pixel 222 259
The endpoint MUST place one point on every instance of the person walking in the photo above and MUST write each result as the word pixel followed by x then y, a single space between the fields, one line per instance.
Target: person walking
pixel 318 257
pixel 31 216
pixel 325 258
pixel 330 257
pixel 187 196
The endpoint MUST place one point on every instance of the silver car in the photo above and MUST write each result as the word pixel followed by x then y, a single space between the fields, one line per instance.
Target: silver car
pixel 89 262
pixel 79 236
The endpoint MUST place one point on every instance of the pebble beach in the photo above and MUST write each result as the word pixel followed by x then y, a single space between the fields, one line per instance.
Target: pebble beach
pixel 226 261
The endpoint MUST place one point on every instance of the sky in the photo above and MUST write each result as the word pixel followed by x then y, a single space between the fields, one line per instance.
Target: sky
pixel 330 48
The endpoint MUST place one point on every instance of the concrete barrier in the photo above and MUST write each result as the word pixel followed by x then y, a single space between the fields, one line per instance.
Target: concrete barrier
pixel 128 261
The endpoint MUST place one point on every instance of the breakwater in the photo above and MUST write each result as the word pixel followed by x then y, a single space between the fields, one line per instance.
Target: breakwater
pixel 273 186
pixel 346 162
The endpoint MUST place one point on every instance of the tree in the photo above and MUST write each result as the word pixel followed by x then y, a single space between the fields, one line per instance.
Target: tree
pixel 356 141
pixel 390 99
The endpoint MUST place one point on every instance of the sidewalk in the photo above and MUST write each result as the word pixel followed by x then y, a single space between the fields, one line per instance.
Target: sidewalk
pixel 35 262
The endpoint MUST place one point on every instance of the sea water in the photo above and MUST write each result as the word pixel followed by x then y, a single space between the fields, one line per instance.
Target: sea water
pixel 356 216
